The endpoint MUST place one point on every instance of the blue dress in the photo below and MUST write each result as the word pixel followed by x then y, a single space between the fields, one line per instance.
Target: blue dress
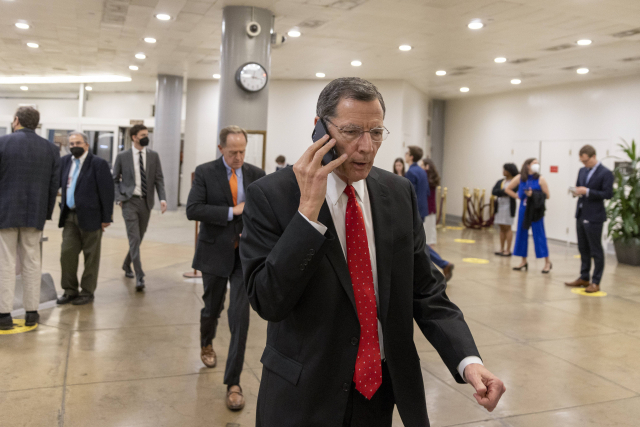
pixel 522 236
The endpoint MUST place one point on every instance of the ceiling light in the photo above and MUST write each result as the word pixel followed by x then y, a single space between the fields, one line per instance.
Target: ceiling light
pixel 89 88
pixel 216 76
pixel 582 70
pixel 500 60
pixel 516 81
pixel 33 45
pixel 405 47
pixel 441 73
pixel 141 55
pixel 464 89
pixel 22 25
pixel 294 33
pixel 356 63
pixel 24 88
pixel 163 16
pixel 133 67
pixel 108 78
pixel 320 75
pixel 584 42
pixel 476 24
pixel 149 39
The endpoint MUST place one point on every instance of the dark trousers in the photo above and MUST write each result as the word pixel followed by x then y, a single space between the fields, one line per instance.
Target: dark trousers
pixel 136 216
pixel 435 258
pixel 215 289
pixel 74 241
pixel 590 246
pixel 377 412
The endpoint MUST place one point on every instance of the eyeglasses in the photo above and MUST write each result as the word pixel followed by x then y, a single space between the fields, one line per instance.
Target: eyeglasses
pixel 354 133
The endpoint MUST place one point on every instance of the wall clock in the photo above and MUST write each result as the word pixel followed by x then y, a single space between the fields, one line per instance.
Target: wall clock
pixel 252 77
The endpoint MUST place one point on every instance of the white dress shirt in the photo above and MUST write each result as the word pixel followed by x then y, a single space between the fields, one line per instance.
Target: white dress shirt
pixel 136 167
pixel 73 167
pixel 337 202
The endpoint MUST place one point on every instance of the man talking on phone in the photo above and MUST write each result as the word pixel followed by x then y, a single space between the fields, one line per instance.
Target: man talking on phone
pixel 333 257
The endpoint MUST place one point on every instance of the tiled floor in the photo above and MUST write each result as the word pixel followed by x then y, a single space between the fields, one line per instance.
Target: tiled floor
pixel 133 359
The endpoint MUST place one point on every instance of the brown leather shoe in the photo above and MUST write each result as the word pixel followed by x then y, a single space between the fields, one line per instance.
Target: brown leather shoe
pixel 448 271
pixel 592 288
pixel 208 356
pixel 578 283
pixel 235 399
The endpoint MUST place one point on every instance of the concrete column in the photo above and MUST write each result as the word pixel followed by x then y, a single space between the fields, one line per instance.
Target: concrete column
pixel 166 134
pixel 238 107
pixel 82 97
pixel 437 133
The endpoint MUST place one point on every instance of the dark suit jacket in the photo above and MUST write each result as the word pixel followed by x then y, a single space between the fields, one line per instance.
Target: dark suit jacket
pixel 299 281
pixel 420 181
pixel 600 188
pixel 29 179
pixel 498 191
pixel 124 177
pixel 93 195
pixel 209 202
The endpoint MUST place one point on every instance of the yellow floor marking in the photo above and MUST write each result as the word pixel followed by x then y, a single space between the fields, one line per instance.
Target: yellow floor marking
pixel 577 256
pixel 464 241
pixel 475 260
pixel 581 291
pixel 18 327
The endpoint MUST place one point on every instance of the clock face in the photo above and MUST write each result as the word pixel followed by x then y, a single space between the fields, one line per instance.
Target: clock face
pixel 252 77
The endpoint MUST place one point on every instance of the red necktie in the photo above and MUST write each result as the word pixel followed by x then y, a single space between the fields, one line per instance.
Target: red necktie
pixel 368 372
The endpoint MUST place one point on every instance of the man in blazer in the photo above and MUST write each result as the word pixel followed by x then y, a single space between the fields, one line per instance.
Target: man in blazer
pixel 86 210
pixel 136 174
pixel 334 258
pixel 594 186
pixel 29 181
pixel 217 200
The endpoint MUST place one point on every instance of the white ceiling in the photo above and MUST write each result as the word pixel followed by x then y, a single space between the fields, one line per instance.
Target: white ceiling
pixel 102 36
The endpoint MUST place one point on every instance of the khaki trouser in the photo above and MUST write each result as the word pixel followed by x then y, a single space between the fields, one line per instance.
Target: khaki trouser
pixel 25 243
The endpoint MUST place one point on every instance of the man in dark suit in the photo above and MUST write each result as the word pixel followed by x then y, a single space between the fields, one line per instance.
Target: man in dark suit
pixel 86 210
pixel 217 200
pixel 334 258
pixel 136 174
pixel 594 186
pixel 29 181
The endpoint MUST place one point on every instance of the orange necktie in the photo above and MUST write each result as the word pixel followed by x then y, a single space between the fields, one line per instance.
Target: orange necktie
pixel 233 183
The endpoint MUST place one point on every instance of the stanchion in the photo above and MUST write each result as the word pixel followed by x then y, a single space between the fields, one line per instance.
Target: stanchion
pixel 195 273
pixel 473 208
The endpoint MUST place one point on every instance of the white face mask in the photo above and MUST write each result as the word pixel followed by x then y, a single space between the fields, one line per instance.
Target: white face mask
pixel 535 168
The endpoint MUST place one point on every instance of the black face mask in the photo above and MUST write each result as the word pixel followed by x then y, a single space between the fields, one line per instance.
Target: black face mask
pixel 77 152
pixel 144 141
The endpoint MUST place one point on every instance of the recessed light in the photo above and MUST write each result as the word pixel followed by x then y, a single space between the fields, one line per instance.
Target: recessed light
pixel 476 24
pixel 516 81
pixel 294 33
pixel 464 89
pixel 584 42
pixel 582 70
pixel 163 16
pixel 89 88
pixel 133 67
pixel 320 75
pixel 24 88
pixel 356 63
pixel 141 55
pixel 500 60
pixel 405 47
pixel 441 73
pixel 22 25
pixel 149 40
pixel 33 45
pixel 216 76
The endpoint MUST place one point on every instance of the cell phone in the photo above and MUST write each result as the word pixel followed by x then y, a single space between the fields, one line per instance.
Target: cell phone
pixel 318 132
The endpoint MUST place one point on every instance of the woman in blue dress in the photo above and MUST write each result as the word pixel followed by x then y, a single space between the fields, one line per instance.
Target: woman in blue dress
pixel 530 181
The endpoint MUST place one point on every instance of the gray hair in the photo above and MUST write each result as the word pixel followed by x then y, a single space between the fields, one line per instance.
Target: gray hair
pixel 346 88
pixel 84 136
pixel 231 129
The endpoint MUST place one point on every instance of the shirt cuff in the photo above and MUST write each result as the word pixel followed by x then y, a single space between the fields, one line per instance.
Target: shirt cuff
pixel 230 215
pixel 587 192
pixel 321 228
pixel 468 361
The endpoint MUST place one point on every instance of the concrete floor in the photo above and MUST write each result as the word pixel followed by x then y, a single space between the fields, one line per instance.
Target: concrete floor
pixel 133 359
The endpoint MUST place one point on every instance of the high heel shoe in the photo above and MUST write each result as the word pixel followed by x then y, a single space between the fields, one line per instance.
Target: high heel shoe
pixel 525 267
pixel 547 271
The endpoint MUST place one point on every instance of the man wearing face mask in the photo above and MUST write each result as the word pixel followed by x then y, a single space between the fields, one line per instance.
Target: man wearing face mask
pixel 86 210
pixel 136 174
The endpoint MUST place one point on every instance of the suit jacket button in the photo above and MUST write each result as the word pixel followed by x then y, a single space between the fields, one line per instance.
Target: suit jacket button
pixel 311 252
pixel 354 341
pixel 301 267
pixel 345 387
pixel 305 262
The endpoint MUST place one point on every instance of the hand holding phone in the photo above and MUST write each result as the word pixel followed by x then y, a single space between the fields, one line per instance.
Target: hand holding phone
pixel 318 132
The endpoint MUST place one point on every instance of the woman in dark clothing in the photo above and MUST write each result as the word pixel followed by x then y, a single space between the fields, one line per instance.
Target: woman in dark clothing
pixel 398 166
pixel 505 208
pixel 431 220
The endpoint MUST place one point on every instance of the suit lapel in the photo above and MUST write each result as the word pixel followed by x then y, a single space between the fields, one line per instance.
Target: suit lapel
pixel 382 220
pixel 246 177
pixel 85 166
pixel 150 169
pixel 65 182
pixel 221 173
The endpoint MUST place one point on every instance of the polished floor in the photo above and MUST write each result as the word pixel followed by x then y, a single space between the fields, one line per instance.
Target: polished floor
pixel 132 359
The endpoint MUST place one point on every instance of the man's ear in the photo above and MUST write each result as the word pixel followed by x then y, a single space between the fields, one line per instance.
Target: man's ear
pixel 315 121
pixel 220 147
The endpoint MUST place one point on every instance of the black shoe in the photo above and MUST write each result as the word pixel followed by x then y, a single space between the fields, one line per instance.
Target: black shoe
pixel 6 323
pixel 31 319
pixel 127 272
pixel 498 253
pixel 547 271
pixel 83 299
pixel 524 267
pixel 66 299
pixel 140 285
